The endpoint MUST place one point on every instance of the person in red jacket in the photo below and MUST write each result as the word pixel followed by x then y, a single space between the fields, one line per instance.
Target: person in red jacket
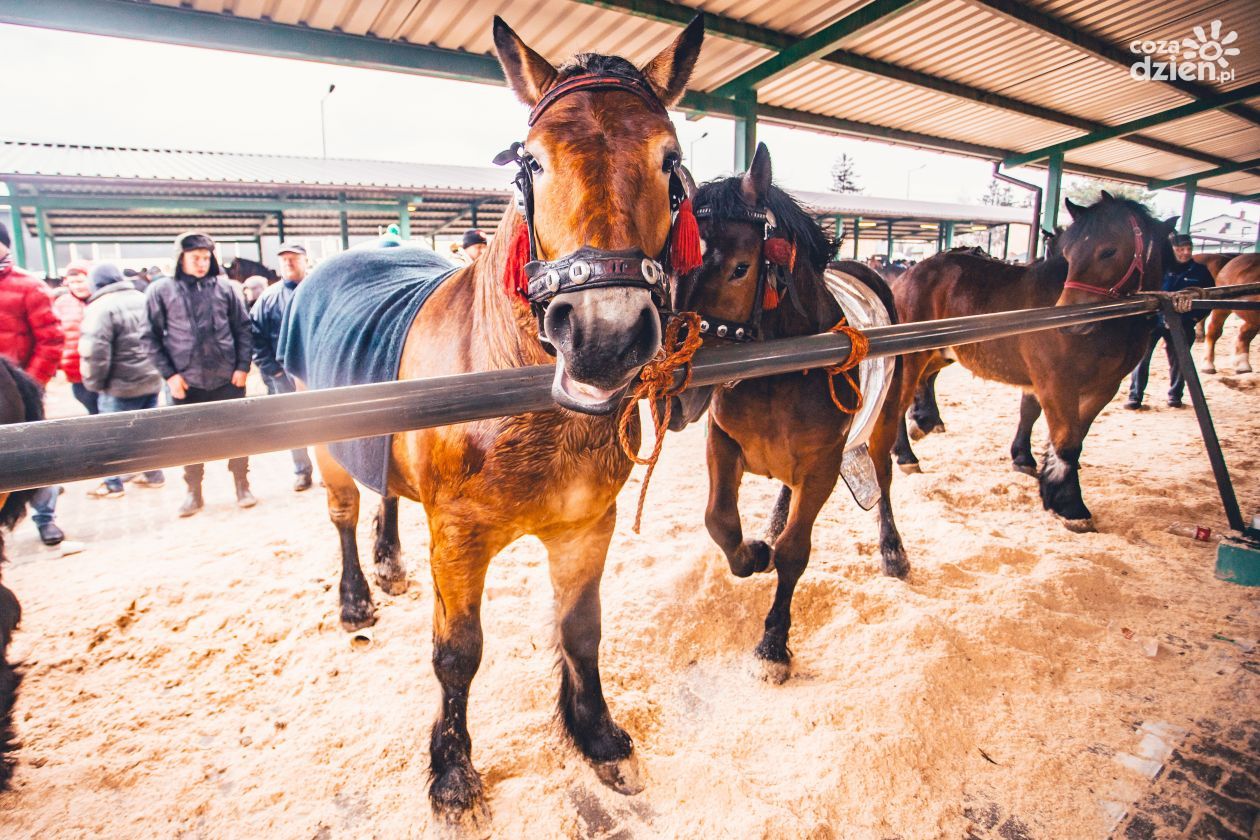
pixel 69 302
pixel 31 337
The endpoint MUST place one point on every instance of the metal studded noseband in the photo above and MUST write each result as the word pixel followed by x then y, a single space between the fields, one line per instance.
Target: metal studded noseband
pixel 592 268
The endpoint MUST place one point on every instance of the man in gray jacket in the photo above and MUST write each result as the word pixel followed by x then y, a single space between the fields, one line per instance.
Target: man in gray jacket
pixel 112 358
pixel 198 338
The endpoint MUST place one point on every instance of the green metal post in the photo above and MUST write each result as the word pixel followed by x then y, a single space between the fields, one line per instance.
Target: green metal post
pixel 1187 207
pixel 857 234
pixel 1257 247
pixel 947 234
pixel 839 223
pixel 17 232
pixel 746 132
pixel 41 230
pixel 1006 242
pixel 280 225
pixel 404 219
pixel 345 227
pixel 258 245
pixel 1052 198
pixel 888 259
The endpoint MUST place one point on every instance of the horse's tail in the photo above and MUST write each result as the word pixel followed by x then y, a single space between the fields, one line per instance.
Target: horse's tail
pixel 14 506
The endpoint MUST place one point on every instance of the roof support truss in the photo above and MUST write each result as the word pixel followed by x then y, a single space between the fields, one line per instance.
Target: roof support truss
pixel 1238 166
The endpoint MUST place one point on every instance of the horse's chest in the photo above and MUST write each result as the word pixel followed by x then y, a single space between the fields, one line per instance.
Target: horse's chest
pixel 781 424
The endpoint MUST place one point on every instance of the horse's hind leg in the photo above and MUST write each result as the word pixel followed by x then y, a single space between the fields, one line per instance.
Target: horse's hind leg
pixel 1242 350
pixel 791 556
pixel 10 615
pixel 1021 448
pixel 1212 334
pixel 391 575
pixel 779 514
pixel 460 557
pixel 721 516
pixel 577 562
pixel 925 412
pixel 892 551
pixel 357 609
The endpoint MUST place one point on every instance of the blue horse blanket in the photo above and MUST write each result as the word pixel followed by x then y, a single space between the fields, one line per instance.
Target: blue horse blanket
pixel 346 325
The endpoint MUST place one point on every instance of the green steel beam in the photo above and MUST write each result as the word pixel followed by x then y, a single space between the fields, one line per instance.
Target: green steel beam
pixel 1023 13
pixel 663 11
pixel 404 219
pixel 41 231
pixel 1244 199
pixel 815 46
pixel 1187 207
pixel 84 239
pixel 745 132
pixel 1209 103
pixel 17 232
pixel 890 243
pixel 1006 241
pixel 857 234
pixel 200 205
pixel 151 22
pixel 1235 166
pixel 1050 201
pixel 344 221
pixel 280 225
pixel 947 234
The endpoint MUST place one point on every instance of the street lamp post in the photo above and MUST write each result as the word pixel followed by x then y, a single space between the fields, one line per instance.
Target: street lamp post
pixel 691 149
pixel 323 131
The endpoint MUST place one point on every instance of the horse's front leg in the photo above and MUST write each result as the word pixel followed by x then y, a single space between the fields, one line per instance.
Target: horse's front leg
pixel 891 423
pixel 721 516
pixel 1021 448
pixel 1060 471
pixel 791 556
pixel 577 563
pixel 357 609
pixel 1242 348
pixel 460 556
pixel 391 575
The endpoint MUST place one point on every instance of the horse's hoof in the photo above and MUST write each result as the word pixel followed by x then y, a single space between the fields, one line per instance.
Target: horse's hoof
pixel 357 616
pixel 1208 369
pixel 1080 526
pixel 459 804
pixel 773 671
pixel 393 586
pixel 915 430
pixel 910 469
pixel 1026 469
pixel 751 557
pixel 623 775
pixel 1243 367
pixel 895 565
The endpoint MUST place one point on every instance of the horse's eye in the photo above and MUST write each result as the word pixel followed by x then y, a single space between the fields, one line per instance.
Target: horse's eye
pixel 740 271
pixel 1107 253
pixel 535 166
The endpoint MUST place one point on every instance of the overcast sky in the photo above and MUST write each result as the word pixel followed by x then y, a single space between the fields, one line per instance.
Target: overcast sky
pixel 87 89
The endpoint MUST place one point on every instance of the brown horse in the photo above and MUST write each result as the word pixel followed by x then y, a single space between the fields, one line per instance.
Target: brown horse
pixel 787 427
pixel 1244 268
pixel 599 169
pixel 20 401
pixel 1113 248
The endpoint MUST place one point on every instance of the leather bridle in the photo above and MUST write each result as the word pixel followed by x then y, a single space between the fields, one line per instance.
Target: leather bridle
pixel 589 267
pixel 1132 276
pixel 750 330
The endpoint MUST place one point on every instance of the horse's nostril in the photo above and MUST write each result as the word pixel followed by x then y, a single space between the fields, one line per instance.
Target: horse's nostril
pixel 646 338
pixel 561 327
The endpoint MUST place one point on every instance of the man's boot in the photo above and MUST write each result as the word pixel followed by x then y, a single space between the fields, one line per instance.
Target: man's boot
pixel 244 498
pixel 193 501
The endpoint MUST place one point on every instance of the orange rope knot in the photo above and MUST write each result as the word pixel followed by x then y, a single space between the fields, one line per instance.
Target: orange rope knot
pixel 656 385
pixel 860 346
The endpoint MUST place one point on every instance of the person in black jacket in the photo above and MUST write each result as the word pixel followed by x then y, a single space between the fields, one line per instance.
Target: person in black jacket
pixel 198 338
pixel 1185 273
pixel 266 316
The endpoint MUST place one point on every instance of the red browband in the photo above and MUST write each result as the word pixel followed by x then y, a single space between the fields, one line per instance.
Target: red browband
pixel 602 81
pixel 1134 272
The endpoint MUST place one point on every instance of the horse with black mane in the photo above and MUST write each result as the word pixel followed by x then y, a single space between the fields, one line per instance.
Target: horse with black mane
pixel 20 402
pixel 763 277
pixel 1112 250
pixel 582 273
pixel 241 269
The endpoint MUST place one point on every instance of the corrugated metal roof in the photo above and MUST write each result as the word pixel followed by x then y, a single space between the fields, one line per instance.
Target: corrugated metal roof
pixel 977 43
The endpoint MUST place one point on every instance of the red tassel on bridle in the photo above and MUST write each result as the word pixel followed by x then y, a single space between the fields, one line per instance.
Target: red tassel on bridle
pixel 779 252
pixel 684 241
pixel 515 282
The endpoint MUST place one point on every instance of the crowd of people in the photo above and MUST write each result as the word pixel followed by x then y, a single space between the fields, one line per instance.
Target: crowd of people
pixel 128 340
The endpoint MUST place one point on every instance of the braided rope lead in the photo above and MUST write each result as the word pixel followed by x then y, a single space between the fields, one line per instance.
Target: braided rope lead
pixel 656 384
pixel 859 347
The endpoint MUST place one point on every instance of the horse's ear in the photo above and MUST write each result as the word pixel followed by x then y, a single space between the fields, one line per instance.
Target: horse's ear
pixel 670 71
pixel 527 72
pixel 1170 224
pixel 755 183
pixel 1106 196
pixel 1074 210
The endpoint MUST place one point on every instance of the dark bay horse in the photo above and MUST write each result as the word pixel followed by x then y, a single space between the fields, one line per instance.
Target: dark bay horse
pixel 241 269
pixel 20 402
pixel 599 169
pixel 1113 249
pixel 787 427
pixel 1244 268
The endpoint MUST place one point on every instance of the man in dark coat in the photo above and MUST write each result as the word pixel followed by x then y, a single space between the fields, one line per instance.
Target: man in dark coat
pixel 198 338
pixel 266 317
pixel 1184 273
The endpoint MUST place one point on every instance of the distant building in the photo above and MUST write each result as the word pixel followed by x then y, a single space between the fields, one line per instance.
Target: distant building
pixel 1224 233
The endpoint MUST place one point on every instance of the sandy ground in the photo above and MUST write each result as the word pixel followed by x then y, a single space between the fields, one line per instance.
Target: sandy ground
pixel 187 678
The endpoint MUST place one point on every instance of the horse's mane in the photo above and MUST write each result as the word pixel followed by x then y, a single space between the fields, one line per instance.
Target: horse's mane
pixel 596 63
pixel 495 312
pixel 726 198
